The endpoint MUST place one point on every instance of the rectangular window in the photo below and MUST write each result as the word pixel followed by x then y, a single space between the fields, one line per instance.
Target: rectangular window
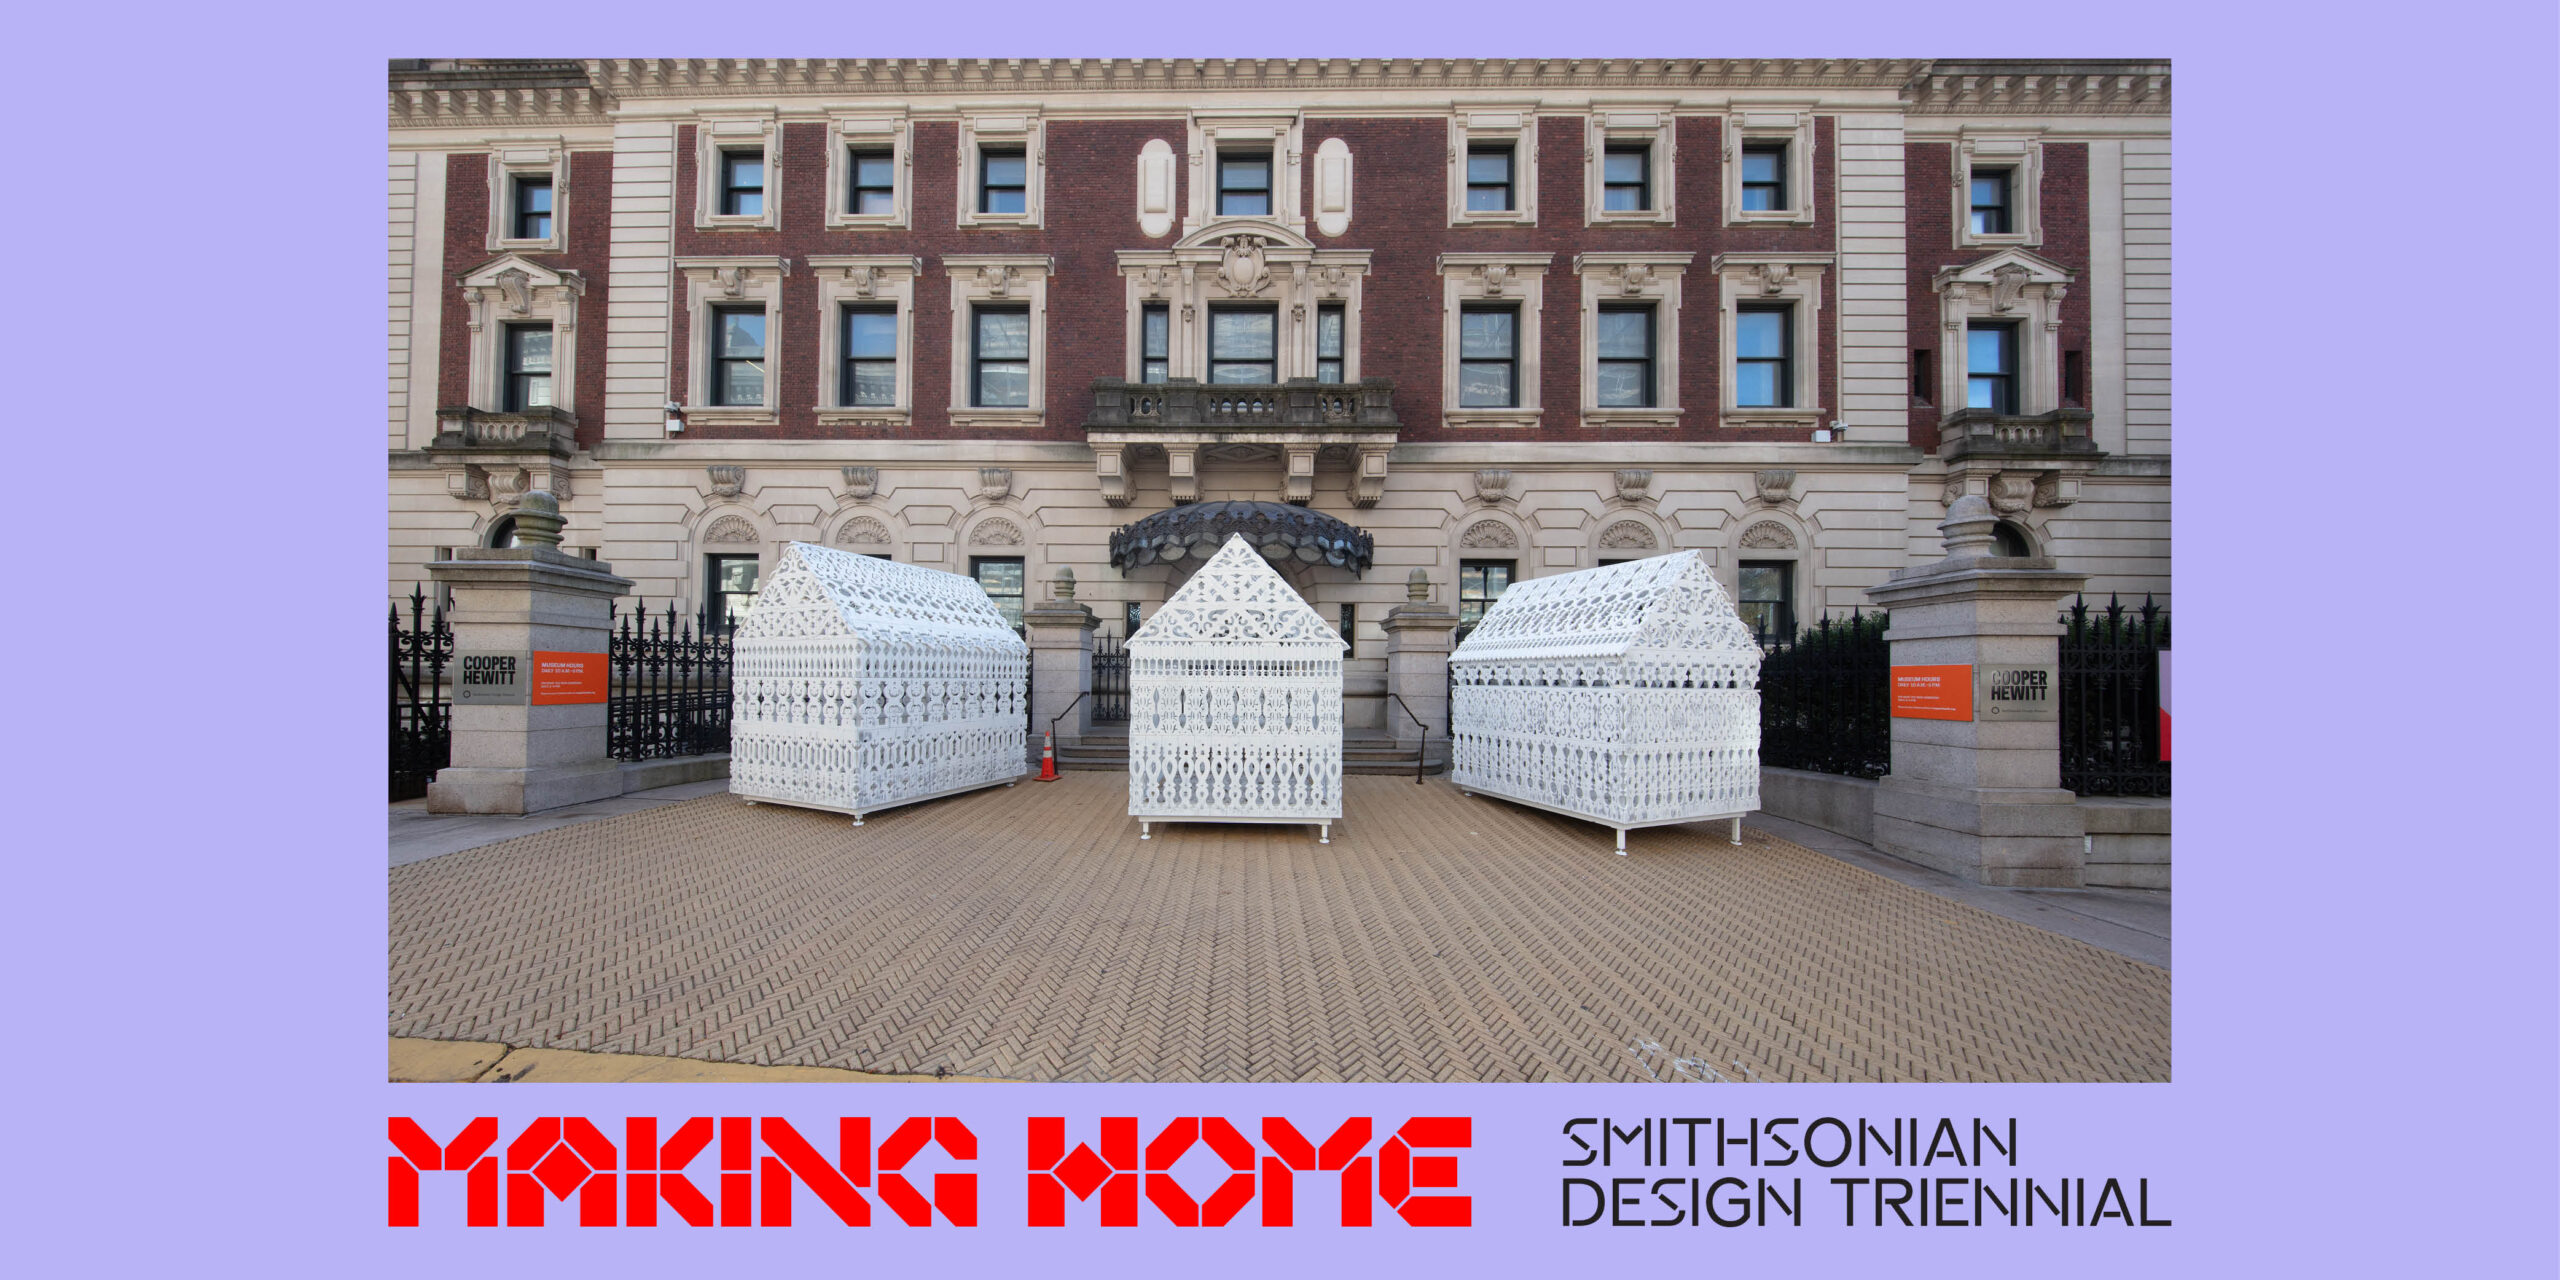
pixel 1004 178
pixel 2073 392
pixel 870 356
pixel 1990 201
pixel 1244 344
pixel 1488 179
pixel 1244 184
pixel 528 367
pixel 1991 367
pixel 1767 605
pixel 1155 343
pixel 1001 578
pixel 1350 623
pixel 731 583
pixel 1480 583
pixel 737 355
pixel 875 183
pixel 533 209
pixel 1764 177
pixel 1000 358
pixel 1764 358
pixel 1329 319
pixel 742 183
pixel 1626 178
pixel 1923 383
pixel 1488 357
pixel 1626 357
pixel 1128 619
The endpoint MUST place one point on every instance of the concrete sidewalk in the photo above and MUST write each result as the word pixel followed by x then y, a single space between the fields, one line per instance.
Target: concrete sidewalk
pixel 416 833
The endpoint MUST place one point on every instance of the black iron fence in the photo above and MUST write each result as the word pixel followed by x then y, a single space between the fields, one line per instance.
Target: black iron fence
pixel 670 690
pixel 1826 700
pixel 421 712
pixel 2110 703
pixel 1110 680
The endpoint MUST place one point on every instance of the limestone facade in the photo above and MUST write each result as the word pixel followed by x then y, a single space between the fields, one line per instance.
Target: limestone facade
pixel 1368 162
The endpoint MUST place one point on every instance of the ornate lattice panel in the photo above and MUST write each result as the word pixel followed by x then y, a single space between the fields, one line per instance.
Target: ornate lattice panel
pixel 1627 695
pixel 1235 702
pixel 861 684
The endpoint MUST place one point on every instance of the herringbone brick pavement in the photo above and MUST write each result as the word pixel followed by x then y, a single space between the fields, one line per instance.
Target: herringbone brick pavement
pixel 1028 933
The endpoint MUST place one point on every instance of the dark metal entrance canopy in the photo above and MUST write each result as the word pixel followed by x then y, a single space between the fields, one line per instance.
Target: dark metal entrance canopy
pixel 1278 530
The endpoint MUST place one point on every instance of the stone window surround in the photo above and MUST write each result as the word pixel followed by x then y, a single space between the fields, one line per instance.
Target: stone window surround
pixel 2022 154
pixel 1010 279
pixel 732 281
pixel 1789 123
pixel 1209 132
pixel 510 289
pixel 1606 278
pixel 1515 126
pixel 714 134
pixel 871 132
pixel 1620 124
pixel 2032 300
pixel 1803 588
pixel 1007 127
pixel 1464 279
pixel 1761 278
pixel 515 158
pixel 1187 281
pixel 859 279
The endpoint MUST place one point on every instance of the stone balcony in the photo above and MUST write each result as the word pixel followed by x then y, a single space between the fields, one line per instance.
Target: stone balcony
pixel 500 456
pixel 1295 422
pixel 2017 461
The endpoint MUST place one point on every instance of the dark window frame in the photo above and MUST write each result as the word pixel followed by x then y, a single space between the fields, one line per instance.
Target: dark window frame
pixel 850 364
pixel 987 188
pixel 1155 342
pixel 1643 152
pixel 2004 380
pixel 519 214
pixel 1215 361
pixel 515 393
pixel 978 361
pixel 1510 362
pixel 2075 386
pixel 854 156
pixel 1332 363
pixel 1923 383
pixel 2004 212
pixel 1784 362
pixel 1480 593
pixel 718 384
pixel 1509 186
pixel 1020 598
pixel 718 608
pixel 1650 396
pixel 1268 191
pixel 733 193
pixel 1783 622
pixel 1776 187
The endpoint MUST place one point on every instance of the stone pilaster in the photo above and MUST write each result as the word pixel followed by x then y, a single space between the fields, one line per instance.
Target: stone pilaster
pixel 1060 633
pixel 1418 647
pixel 1979 798
pixel 524 600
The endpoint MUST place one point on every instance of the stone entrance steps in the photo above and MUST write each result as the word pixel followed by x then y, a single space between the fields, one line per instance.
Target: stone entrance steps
pixel 1363 751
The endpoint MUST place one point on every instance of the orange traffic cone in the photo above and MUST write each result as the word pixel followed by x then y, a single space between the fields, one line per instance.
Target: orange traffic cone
pixel 1048 757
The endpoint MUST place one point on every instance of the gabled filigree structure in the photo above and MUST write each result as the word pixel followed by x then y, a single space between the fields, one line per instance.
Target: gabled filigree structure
pixel 1235 703
pixel 860 684
pixel 1626 695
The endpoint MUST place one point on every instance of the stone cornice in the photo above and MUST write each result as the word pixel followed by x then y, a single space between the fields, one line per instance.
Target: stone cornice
pixel 444 93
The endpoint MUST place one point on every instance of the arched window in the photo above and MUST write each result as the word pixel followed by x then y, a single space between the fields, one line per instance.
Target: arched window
pixel 2010 540
pixel 503 533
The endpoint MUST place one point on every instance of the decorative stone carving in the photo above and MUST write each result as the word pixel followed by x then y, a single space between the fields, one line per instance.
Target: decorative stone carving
pixel 513 290
pixel 1626 535
pixel 2053 314
pixel 1333 283
pixel 1111 475
pixel 1493 484
pixel 861 482
pixel 1417 586
pixel 1369 478
pixel 470 484
pixel 1634 483
pixel 1154 283
pixel 1489 534
pixel 1768 535
pixel 1774 485
pixel 2012 492
pixel 995 484
pixel 862 683
pixel 727 481
pixel 997 281
pixel 996 533
pixel 1241 266
pixel 1634 278
pixel 1625 695
pixel 732 280
pixel 864 279
pixel 2057 489
pixel 863 531
pixel 1774 278
pixel 1492 278
pixel 730 529
pixel 2006 283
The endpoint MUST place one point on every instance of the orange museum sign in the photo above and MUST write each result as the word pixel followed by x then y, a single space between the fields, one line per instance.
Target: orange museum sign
pixel 1933 693
pixel 560 678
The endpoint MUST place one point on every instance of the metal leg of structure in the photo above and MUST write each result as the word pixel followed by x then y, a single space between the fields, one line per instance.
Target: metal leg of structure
pixel 1622 842
pixel 1324 833
pixel 1737 831
pixel 857 819
pixel 1142 830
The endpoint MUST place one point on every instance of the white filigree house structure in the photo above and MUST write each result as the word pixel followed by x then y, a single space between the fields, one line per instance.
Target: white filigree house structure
pixel 859 684
pixel 1626 695
pixel 1235 703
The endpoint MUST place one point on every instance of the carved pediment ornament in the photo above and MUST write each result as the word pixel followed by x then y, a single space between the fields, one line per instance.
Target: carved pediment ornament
pixel 1241 265
pixel 1774 277
pixel 1154 282
pixel 863 531
pixel 1333 282
pixel 726 481
pixel 730 529
pixel 1493 277
pixel 997 281
pixel 2053 315
pixel 1634 483
pixel 996 533
pixel 1768 535
pixel 1493 484
pixel 513 287
pixel 2006 283
pixel 1773 485
pixel 1627 535
pixel 1488 533
pixel 733 280
pixel 865 279
pixel 995 483
pixel 1633 277
pixel 861 482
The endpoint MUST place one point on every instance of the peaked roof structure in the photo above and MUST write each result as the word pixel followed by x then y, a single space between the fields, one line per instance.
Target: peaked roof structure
pixel 1236 600
pixel 816 591
pixel 1667 602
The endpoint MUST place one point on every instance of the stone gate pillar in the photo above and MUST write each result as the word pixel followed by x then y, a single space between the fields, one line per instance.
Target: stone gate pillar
pixel 1976 788
pixel 530 625
pixel 1060 632
pixel 1418 663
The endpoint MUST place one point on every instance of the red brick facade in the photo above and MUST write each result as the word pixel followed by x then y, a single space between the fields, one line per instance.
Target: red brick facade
pixel 1930 231
pixel 588 211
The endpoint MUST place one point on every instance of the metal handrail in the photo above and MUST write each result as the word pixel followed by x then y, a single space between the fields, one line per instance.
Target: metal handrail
pixel 1062 711
pixel 1421 750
